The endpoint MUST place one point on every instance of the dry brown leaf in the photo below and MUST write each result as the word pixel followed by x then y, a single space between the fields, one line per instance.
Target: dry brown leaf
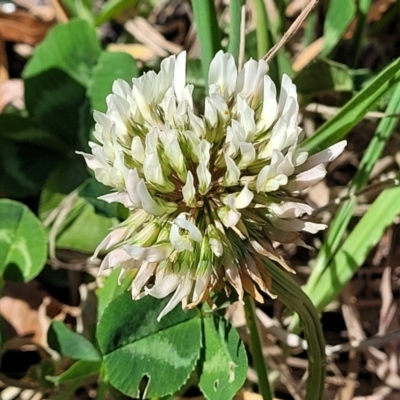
pixel 27 309
pixel 22 26
pixel 136 50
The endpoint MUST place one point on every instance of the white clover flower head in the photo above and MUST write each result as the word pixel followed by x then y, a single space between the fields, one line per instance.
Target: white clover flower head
pixel 208 193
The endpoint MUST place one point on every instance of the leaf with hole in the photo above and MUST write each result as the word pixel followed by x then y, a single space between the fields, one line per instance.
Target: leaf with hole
pixel 138 350
pixel 223 367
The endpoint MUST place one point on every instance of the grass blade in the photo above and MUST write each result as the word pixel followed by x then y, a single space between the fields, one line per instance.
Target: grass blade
pixel 337 127
pixel 355 249
pixel 342 218
pixel 235 13
pixel 205 17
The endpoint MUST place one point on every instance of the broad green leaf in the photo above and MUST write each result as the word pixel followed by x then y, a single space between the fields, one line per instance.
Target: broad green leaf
pixel 71 344
pixel 72 48
pixel 337 127
pixel 339 15
pixel 352 254
pixel 68 176
pixel 91 190
pixel 136 346
pixel 23 243
pixel 83 229
pixel 55 79
pixel 57 102
pixel 323 76
pixel 224 366
pixel 111 289
pixel 112 8
pixel 24 130
pixel 111 66
pixel 24 167
pixel 80 370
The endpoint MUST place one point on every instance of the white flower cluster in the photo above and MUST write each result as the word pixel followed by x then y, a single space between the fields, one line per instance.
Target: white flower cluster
pixel 208 193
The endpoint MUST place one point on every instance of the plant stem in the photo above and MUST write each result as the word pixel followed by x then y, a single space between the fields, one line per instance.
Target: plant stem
pixel 256 349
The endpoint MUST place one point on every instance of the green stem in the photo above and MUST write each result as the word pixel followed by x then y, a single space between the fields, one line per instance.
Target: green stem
pixel 208 33
pixel 290 294
pixel 235 13
pixel 256 349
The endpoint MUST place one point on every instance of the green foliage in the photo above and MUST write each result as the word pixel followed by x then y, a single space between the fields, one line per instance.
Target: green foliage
pixel 323 76
pixel 110 66
pixel 137 347
pixel 23 242
pixel 338 18
pixel 71 344
pixel 79 371
pixel 338 126
pixel 223 366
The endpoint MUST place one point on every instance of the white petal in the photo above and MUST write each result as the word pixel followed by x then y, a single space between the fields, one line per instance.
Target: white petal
pixel 183 223
pixel 164 285
pixel 144 273
pixel 270 105
pixel 290 209
pixel 116 236
pixel 216 247
pixel 202 281
pixel 296 225
pixel 180 75
pixel 204 177
pixel 183 290
pixel 325 156
pixel 115 258
pixel 244 198
pixel 232 174
pixel 148 203
pixel 155 253
pixel 137 149
pixel 117 197
pixel 223 73
pixel 306 179
pixel 188 191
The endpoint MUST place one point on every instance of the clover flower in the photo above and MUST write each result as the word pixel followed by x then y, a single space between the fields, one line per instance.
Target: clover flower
pixel 209 193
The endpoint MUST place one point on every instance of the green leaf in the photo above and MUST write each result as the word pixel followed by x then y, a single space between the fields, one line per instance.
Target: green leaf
pixel 338 18
pixel 24 130
pixel 55 79
pixel 224 366
pixel 72 48
pixel 111 289
pixel 83 229
pixel 111 66
pixel 91 190
pixel 338 126
pixel 71 344
pixel 323 76
pixel 136 346
pixel 24 167
pixel 80 370
pixel 112 8
pixel 79 8
pixel 23 242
